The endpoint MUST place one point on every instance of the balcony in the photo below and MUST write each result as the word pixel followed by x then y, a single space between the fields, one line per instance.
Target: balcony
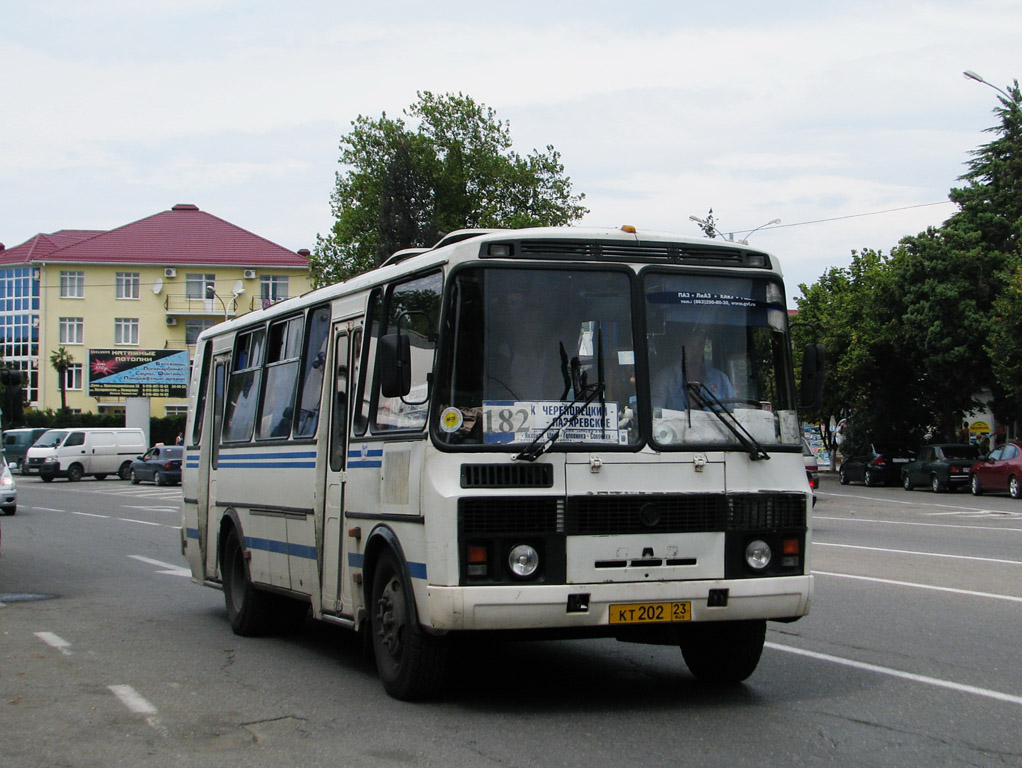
pixel 183 304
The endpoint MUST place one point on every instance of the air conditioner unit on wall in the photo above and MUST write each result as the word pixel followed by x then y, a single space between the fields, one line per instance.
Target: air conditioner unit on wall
pixel 170 272
pixel 250 274
pixel 171 321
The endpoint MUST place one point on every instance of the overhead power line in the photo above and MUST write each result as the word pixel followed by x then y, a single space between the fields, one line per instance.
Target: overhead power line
pixel 849 216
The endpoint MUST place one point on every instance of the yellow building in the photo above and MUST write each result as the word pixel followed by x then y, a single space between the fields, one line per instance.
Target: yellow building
pixel 128 304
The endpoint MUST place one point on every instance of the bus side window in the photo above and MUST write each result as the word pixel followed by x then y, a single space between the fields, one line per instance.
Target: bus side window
pixel 317 335
pixel 339 409
pixel 243 389
pixel 360 408
pixel 282 353
pixel 200 405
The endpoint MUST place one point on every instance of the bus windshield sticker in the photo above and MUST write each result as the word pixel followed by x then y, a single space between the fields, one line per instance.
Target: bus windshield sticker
pixel 507 421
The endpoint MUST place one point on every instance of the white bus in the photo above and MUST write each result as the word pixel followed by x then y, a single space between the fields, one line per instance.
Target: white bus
pixel 555 432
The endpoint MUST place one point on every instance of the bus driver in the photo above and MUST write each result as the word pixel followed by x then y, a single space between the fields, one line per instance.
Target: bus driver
pixel 669 390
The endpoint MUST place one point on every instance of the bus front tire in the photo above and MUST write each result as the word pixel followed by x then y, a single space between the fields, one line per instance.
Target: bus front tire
pixel 248 609
pixel 723 652
pixel 411 663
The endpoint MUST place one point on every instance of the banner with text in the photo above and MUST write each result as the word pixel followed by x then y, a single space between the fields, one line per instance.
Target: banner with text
pixel 138 373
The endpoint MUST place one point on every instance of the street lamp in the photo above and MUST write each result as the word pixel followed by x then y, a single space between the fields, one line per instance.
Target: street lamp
pixel 212 294
pixel 970 75
pixel 745 240
pixel 707 226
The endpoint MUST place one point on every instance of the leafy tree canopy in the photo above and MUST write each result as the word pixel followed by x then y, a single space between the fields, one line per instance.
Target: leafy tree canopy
pixel 406 187
pixel 913 337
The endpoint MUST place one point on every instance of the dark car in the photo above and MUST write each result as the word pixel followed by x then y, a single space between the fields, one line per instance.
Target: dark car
pixel 877 463
pixel 1000 471
pixel 943 467
pixel 161 464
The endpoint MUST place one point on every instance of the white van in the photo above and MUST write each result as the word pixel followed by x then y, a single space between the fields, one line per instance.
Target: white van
pixel 96 451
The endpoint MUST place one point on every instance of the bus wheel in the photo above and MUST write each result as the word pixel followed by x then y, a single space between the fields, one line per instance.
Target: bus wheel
pixel 248 609
pixel 723 652
pixel 411 663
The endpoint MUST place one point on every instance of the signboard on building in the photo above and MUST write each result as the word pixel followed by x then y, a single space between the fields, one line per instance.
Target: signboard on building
pixel 138 373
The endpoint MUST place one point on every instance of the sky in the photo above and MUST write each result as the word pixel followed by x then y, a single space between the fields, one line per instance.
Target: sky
pixel 849 122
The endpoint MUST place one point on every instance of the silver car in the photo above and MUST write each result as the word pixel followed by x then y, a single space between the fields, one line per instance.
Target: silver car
pixel 8 489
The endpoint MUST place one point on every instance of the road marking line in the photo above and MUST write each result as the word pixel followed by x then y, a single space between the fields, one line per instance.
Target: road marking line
pixel 173 570
pixel 132 699
pixel 55 641
pixel 88 514
pixel 927 525
pixel 974 690
pixel 923 554
pixel 140 522
pixel 953 590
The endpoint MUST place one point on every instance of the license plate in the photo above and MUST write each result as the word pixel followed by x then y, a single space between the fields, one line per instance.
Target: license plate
pixel 650 613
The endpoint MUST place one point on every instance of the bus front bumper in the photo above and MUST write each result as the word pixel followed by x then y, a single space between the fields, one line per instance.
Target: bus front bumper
pixel 557 606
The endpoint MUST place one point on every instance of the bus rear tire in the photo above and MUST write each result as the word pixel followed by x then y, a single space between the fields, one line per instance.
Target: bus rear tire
pixel 724 651
pixel 411 663
pixel 249 610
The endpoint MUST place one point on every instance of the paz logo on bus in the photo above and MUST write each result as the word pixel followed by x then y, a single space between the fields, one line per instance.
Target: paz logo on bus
pixel 451 420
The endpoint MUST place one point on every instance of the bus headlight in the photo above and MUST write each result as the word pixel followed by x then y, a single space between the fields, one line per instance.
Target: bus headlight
pixel 523 560
pixel 757 554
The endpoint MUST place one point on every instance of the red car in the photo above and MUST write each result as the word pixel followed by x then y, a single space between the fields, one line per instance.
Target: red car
pixel 1000 471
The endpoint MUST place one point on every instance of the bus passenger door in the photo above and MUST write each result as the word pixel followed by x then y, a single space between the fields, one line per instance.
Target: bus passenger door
pixel 221 365
pixel 334 534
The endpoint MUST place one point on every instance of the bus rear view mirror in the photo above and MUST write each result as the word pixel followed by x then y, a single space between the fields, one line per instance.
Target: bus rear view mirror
pixel 812 376
pixel 395 365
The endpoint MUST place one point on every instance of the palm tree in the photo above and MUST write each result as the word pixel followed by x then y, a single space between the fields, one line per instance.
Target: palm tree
pixel 61 360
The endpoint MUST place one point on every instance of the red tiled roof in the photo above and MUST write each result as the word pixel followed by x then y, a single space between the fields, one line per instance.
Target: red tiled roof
pixel 182 235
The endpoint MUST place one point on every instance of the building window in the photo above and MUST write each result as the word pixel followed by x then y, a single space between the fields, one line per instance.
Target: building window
pixel 127 285
pixel 175 410
pixel 71 330
pixel 72 285
pixel 126 330
pixel 196 285
pixel 194 326
pixel 272 288
pixel 73 377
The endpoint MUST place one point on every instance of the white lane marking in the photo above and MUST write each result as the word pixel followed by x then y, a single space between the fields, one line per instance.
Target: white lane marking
pixel 139 705
pixel 894 583
pixel 55 641
pixel 173 570
pixel 88 514
pixel 151 508
pixel 972 689
pixel 140 522
pixel 925 525
pixel 921 554
pixel 132 699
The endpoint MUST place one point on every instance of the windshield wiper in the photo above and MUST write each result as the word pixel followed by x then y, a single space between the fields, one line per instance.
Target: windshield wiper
pixel 534 450
pixel 709 401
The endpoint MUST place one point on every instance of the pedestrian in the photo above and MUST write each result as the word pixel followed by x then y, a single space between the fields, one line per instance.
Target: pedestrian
pixel 180 439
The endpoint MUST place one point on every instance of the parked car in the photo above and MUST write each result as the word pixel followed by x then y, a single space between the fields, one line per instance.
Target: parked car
pixel 17 442
pixel 943 467
pixel 161 464
pixel 73 453
pixel 8 489
pixel 1000 471
pixel 812 467
pixel 876 463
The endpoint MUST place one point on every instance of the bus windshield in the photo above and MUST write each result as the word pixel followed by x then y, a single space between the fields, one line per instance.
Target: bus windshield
pixel 554 350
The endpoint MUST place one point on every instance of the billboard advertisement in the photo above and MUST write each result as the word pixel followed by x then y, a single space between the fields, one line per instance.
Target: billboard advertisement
pixel 138 373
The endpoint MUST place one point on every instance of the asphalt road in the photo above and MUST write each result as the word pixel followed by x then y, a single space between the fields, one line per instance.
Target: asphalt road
pixel 109 656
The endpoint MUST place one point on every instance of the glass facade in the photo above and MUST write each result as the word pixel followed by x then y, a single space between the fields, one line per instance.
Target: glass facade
pixel 19 324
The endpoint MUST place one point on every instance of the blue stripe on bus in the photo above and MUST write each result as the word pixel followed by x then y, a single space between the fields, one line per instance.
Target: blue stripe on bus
pixel 281 547
pixel 364 464
pixel 266 464
pixel 415 570
pixel 192 533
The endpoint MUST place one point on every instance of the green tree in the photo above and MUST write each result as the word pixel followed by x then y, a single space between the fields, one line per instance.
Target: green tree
pixel 61 360
pixel 405 188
